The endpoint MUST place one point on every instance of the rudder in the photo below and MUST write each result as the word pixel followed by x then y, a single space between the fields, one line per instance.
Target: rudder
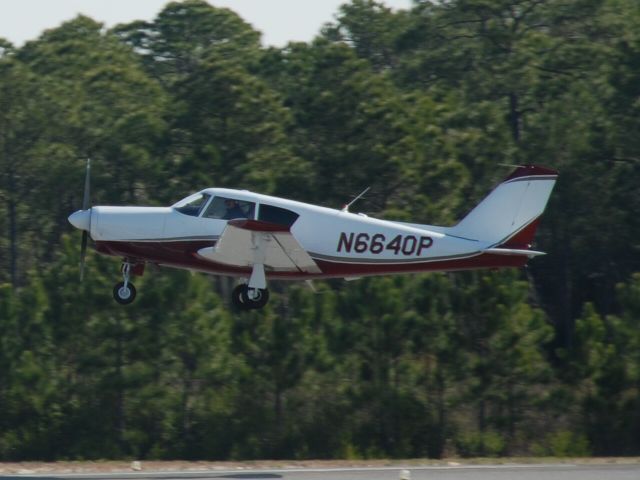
pixel 508 216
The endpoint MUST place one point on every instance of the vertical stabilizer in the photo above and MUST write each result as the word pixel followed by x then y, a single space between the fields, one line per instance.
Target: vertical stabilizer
pixel 508 216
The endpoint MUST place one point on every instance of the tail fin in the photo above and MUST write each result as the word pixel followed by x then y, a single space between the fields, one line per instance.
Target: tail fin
pixel 508 216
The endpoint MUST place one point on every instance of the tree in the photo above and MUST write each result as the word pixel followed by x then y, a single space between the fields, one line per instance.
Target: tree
pixel 113 112
pixel 372 29
pixel 509 51
pixel 23 113
pixel 185 34
pixel 349 122
pixel 604 369
pixel 503 339
pixel 277 349
pixel 420 105
pixel 229 130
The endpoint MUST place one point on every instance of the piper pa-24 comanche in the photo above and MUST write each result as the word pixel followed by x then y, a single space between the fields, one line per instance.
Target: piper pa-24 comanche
pixel 258 237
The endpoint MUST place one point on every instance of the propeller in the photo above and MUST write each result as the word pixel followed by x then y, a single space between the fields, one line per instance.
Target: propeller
pixel 85 206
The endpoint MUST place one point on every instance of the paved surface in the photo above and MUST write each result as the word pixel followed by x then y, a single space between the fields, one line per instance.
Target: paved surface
pixel 467 472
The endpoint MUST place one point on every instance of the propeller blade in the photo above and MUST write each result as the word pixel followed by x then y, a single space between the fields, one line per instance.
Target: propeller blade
pixel 85 205
pixel 83 253
pixel 87 186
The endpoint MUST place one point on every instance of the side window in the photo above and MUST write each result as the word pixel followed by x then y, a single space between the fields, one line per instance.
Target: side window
pixel 229 208
pixel 281 216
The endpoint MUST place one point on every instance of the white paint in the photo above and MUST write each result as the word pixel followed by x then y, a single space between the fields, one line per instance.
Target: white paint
pixel 258 279
pixel 508 208
pixel 81 219
pixel 322 233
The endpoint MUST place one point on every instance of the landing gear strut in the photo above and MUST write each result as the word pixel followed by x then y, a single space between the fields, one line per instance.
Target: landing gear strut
pixel 252 295
pixel 245 298
pixel 124 292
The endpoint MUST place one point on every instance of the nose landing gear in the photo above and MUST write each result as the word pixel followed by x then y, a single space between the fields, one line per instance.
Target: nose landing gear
pixel 125 292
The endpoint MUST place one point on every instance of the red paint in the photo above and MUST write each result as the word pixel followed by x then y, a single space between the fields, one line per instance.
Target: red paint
pixel 531 170
pixel 138 269
pixel 257 225
pixel 154 252
pixel 524 238
pixel 485 260
pixel 183 255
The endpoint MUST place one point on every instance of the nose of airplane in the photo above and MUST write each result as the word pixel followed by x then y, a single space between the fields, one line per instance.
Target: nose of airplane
pixel 81 219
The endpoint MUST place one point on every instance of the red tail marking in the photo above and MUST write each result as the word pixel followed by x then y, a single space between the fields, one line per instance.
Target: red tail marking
pixel 530 170
pixel 524 238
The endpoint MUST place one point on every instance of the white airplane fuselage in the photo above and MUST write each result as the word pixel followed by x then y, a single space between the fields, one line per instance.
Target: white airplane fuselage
pixel 246 234
pixel 343 244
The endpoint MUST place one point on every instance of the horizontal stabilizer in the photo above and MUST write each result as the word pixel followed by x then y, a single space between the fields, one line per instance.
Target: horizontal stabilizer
pixel 514 251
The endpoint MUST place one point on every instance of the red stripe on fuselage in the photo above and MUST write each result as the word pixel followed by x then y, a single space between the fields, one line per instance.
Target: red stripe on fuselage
pixel 183 254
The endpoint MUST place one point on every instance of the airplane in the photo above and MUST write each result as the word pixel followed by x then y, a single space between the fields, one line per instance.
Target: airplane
pixel 258 237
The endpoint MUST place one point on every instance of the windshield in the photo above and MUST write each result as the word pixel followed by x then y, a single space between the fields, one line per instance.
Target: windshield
pixel 193 204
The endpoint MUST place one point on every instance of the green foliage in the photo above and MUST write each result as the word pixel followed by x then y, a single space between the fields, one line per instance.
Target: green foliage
pixel 348 121
pixel 562 444
pixel 486 444
pixel 184 34
pixel 421 105
pixel 235 126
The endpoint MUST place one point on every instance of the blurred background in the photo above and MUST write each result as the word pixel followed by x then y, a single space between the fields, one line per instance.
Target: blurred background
pixel 426 105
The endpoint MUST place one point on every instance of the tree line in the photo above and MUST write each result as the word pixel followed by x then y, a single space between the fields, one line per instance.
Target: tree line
pixel 423 105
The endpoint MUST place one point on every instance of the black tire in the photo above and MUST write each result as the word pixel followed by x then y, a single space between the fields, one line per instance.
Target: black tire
pixel 124 297
pixel 236 297
pixel 255 303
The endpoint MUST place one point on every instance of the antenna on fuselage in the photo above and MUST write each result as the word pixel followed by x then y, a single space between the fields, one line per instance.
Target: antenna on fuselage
pixel 510 165
pixel 346 207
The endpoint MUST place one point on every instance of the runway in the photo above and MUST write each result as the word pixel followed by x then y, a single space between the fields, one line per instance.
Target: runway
pixel 462 472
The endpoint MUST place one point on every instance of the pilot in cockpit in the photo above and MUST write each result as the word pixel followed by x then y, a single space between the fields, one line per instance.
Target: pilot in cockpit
pixel 233 210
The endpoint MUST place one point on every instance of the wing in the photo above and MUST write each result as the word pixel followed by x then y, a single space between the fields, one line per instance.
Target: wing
pixel 245 243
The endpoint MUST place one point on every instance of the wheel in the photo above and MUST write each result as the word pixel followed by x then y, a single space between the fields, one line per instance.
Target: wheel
pixel 242 300
pixel 236 297
pixel 122 295
pixel 258 301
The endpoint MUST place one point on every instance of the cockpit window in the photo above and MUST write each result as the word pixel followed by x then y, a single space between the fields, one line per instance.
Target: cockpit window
pixel 193 204
pixel 228 208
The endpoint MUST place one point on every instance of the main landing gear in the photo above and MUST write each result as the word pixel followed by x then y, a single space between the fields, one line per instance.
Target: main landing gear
pixel 252 295
pixel 245 298
pixel 124 292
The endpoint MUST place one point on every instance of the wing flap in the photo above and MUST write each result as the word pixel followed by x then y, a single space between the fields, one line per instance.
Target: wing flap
pixel 244 243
